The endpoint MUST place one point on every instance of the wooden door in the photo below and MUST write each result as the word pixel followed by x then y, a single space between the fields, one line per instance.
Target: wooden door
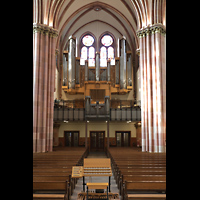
pixel 123 138
pixel 97 140
pixel 71 138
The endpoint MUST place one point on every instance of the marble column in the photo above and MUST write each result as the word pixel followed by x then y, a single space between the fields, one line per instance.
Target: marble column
pixel 43 86
pixel 153 87
pixel 36 62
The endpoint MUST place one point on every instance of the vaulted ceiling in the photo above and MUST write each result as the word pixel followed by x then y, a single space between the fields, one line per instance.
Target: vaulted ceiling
pixel 73 17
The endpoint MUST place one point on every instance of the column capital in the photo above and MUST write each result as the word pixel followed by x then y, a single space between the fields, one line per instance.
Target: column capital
pixel 44 29
pixel 151 29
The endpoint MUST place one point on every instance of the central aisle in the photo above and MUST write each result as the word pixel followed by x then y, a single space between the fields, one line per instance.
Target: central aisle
pixel 79 185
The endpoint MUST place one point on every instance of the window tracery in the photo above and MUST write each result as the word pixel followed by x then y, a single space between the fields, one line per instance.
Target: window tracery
pixel 107 51
pixel 87 51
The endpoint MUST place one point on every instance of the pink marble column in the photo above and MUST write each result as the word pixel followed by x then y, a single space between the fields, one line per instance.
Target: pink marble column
pixel 142 93
pixel 163 89
pixel 45 79
pixel 43 87
pixel 149 91
pixel 40 94
pixel 145 105
pixel 53 67
pixel 35 86
pixel 153 88
pixel 48 95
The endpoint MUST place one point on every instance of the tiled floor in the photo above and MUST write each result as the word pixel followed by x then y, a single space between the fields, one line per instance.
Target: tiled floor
pixel 79 185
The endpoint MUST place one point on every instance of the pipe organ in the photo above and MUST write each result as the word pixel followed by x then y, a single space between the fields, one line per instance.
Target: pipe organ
pixel 115 79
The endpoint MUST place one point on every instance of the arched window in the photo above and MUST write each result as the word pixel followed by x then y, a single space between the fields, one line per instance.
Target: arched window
pixel 107 51
pixel 87 50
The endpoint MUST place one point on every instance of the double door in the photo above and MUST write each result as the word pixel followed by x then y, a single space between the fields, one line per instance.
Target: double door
pixel 123 138
pixel 97 140
pixel 71 138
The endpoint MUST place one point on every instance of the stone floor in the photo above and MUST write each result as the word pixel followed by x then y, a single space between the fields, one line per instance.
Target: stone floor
pixel 79 185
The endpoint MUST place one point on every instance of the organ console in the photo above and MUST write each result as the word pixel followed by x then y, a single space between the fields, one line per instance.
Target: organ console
pixel 93 167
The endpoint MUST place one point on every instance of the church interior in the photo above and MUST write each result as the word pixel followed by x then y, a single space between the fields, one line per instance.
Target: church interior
pixel 99 97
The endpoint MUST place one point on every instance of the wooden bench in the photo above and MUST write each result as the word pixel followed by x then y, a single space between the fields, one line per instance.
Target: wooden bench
pixel 52 186
pixel 44 181
pixel 50 196
pixel 150 188
pixel 139 178
pixel 139 171
pixel 143 173
pixel 52 174
pixel 146 196
pixel 53 169
pixel 49 177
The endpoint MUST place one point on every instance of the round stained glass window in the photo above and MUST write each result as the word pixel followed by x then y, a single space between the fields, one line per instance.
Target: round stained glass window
pixel 88 40
pixel 106 40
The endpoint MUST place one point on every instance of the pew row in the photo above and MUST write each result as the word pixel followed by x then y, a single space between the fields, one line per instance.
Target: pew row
pixel 144 189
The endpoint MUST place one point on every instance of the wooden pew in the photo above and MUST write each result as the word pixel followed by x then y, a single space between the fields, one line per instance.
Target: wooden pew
pixel 139 171
pixel 52 173
pixel 134 189
pixel 53 169
pixel 50 196
pixel 51 178
pixel 141 168
pixel 139 178
pixel 52 186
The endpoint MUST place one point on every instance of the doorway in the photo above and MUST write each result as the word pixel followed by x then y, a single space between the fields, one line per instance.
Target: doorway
pixel 71 138
pixel 123 138
pixel 97 139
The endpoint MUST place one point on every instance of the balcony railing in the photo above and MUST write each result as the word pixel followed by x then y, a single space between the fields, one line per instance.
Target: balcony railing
pixel 81 110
